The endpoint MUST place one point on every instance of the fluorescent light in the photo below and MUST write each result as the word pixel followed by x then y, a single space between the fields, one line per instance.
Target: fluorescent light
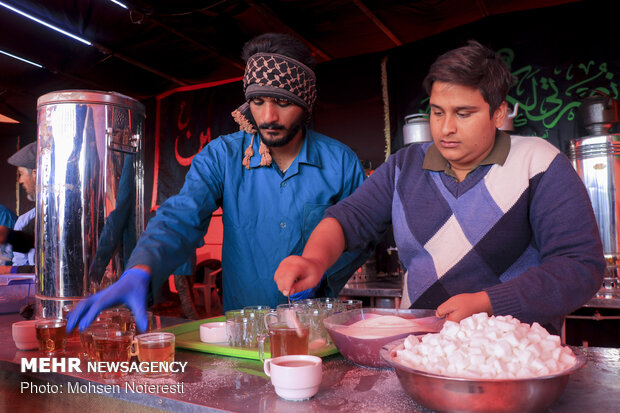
pixel 119 4
pixel 20 58
pixel 66 33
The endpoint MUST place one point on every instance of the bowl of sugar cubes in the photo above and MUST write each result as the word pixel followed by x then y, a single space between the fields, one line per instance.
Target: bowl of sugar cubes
pixel 484 364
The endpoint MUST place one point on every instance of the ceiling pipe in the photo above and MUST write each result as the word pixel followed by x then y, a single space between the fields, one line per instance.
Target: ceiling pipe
pixel 209 49
pixel 108 51
pixel 140 13
pixel 101 48
pixel 377 22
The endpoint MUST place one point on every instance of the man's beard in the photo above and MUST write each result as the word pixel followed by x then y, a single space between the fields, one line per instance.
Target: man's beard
pixel 286 139
pixel 31 197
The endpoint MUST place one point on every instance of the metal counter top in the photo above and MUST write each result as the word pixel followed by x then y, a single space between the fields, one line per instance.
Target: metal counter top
pixel 215 383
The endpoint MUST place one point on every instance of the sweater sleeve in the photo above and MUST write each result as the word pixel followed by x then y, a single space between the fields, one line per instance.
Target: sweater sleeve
pixel 366 215
pixel 340 272
pixel 566 235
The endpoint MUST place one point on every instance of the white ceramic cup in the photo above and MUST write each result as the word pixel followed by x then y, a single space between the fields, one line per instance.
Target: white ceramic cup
pixel 25 335
pixel 295 377
pixel 213 332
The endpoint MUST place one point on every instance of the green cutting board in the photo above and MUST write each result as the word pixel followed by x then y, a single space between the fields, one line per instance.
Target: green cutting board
pixel 187 336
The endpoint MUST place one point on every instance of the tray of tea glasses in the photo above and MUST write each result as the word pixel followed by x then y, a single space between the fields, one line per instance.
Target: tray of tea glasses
pixel 188 337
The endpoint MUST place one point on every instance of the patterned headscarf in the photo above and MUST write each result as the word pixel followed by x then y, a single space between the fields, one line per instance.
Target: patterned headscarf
pixel 277 76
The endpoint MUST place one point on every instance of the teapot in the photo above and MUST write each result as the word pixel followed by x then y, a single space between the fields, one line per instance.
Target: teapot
pixel 416 129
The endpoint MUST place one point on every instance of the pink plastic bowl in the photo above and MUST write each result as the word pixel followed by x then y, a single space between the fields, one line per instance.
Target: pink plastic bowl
pixel 366 351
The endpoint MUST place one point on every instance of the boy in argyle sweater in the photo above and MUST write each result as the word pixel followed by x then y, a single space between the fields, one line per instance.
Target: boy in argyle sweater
pixel 483 221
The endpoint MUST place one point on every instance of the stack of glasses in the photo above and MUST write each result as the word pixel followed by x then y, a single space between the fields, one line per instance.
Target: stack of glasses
pixel 112 338
pixel 245 327
pixel 251 325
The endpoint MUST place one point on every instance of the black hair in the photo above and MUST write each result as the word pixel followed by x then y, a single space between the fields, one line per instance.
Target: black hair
pixel 476 66
pixel 279 43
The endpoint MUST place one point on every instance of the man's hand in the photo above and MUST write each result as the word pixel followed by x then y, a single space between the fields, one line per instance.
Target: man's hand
pixel 131 289
pixel 463 305
pixel 296 274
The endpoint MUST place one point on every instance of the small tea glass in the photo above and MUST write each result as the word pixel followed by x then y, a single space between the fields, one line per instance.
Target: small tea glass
pixel 311 302
pixel 120 315
pixel 86 338
pixel 51 335
pixel 155 348
pixel 288 328
pixel 112 346
pixel 241 328
pixel 259 312
pixel 319 337
pixel 331 305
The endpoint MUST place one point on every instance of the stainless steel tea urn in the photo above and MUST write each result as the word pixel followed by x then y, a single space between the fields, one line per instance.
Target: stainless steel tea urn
pixel 90 184
pixel 597 161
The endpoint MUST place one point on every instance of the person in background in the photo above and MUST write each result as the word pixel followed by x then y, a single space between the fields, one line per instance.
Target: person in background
pixel 21 236
pixel 273 179
pixel 483 221
pixel 7 217
pixel 7 220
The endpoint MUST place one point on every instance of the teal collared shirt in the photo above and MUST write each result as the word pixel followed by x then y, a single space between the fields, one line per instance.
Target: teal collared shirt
pixel 267 214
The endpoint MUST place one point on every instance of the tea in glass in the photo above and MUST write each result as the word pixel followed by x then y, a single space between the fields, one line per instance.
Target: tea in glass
pixel 86 338
pixel 120 315
pixel 112 346
pixel 51 335
pixel 155 347
pixel 286 340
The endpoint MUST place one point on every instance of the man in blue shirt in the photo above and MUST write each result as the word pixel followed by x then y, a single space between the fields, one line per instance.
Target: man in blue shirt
pixel 273 179
pixel 7 219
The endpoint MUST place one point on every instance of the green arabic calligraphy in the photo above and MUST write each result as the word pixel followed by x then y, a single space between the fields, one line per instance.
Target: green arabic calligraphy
pixel 546 99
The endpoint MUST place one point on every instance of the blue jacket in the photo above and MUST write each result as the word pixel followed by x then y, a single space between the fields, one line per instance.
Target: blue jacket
pixel 267 215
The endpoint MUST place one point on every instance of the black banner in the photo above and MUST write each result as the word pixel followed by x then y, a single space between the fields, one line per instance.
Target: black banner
pixel 187 121
pixel 558 55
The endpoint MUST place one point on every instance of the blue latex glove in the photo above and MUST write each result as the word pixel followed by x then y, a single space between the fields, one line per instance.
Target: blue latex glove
pixel 309 293
pixel 131 289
